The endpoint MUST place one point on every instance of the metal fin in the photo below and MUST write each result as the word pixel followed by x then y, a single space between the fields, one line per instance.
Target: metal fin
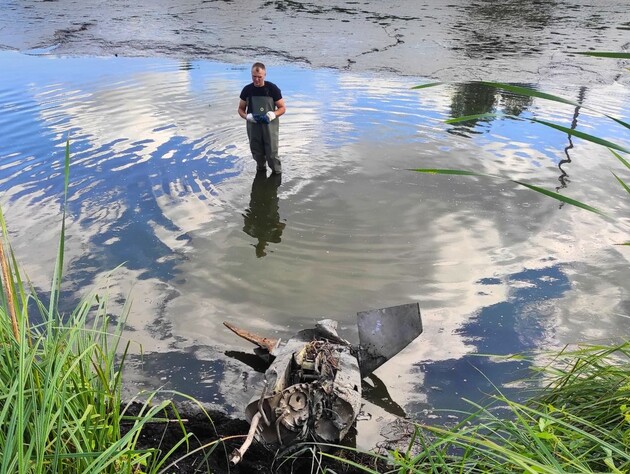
pixel 265 343
pixel 383 333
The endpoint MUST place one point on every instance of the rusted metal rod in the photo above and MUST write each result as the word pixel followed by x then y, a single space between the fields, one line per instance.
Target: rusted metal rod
pixel 266 343
pixel 261 408
pixel 238 454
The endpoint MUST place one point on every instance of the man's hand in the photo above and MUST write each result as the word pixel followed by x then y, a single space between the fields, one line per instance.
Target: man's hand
pixel 261 118
pixel 250 118
pixel 271 116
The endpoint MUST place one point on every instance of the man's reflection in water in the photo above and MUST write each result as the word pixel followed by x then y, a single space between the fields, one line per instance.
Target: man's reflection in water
pixel 262 219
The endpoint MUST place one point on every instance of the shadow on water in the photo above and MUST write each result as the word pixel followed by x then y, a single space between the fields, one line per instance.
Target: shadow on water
pixel 255 362
pixel 184 371
pixel 261 219
pixel 375 391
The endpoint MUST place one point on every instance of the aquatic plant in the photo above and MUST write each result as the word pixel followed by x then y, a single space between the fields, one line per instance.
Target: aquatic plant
pixel 60 380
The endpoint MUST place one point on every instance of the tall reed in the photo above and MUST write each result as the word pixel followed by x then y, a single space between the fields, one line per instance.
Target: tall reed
pixel 60 380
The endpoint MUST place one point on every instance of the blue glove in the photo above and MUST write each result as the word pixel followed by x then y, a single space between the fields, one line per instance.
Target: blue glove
pixel 261 118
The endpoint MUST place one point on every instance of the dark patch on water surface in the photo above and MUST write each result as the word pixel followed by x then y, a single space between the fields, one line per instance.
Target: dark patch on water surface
pixel 179 369
pixel 473 98
pixel 490 281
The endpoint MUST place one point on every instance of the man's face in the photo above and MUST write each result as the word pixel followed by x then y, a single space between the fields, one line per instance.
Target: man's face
pixel 258 77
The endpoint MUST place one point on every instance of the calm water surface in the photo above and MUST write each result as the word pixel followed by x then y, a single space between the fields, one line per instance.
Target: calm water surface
pixel 163 187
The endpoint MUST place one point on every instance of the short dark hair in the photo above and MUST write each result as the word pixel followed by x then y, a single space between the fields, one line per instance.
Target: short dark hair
pixel 259 66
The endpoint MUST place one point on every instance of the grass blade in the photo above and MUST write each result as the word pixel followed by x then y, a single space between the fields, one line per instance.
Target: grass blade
pixel 350 463
pixel 551 194
pixel 624 185
pixel 425 86
pixel 620 158
pixel 448 171
pixel 467 118
pixel 56 281
pixel 582 135
pixel 560 197
pixel 526 91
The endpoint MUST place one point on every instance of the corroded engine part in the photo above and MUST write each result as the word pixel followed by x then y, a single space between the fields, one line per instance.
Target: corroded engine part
pixel 313 395
pixel 313 386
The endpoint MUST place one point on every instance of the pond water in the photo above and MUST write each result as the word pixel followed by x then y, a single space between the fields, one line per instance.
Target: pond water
pixel 165 211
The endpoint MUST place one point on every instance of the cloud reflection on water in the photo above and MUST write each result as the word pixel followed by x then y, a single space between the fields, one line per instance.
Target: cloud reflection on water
pixel 161 179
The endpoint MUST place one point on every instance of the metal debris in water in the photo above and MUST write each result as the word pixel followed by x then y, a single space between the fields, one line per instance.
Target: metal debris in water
pixel 313 386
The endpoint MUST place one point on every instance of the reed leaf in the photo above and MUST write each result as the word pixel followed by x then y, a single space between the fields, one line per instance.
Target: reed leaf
pixel 620 158
pixel 467 118
pixel 560 197
pixel 623 184
pixel 568 131
pixel 449 172
pixel 525 91
pixel 425 86
pixel 554 195
pixel 56 280
pixel 582 135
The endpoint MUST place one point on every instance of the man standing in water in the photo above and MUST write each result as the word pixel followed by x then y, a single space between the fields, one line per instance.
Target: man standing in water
pixel 261 104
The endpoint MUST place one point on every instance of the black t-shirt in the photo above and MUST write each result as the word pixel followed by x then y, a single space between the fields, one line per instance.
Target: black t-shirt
pixel 269 90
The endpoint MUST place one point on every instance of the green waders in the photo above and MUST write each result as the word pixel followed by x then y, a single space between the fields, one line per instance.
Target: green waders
pixel 263 138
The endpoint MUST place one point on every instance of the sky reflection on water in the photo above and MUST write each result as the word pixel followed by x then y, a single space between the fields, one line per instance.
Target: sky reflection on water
pixel 162 184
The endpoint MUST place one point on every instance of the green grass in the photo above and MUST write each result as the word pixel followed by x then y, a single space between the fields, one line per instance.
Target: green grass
pixel 578 423
pixel 60 381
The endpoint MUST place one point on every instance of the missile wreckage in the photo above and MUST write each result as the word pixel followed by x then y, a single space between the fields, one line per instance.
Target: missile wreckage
pixel 312 386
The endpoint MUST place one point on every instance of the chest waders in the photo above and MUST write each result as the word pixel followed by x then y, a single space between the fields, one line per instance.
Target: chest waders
pixel 263 138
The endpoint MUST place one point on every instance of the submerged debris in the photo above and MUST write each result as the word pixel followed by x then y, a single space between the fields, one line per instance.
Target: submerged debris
pixel 313 386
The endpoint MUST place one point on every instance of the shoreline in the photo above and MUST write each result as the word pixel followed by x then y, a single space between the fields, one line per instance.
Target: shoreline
pixel 214 438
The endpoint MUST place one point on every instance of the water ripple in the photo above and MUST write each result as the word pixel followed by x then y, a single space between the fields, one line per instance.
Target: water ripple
pixel 162 183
